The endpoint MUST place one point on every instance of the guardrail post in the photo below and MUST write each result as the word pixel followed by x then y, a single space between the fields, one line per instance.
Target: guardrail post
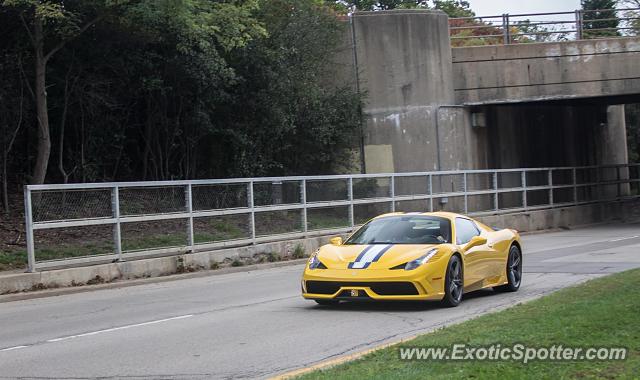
pixel 550 174
pixel 495 194
pixel 523 180
pixel 351 207
pixel 392 190
pixel 466 197
pixel 430 179
pixel 28 214
pixel 117 231
pixel 505 29
pixel 303 199
pixel 578 24
pixel 252 217
pixel 189 204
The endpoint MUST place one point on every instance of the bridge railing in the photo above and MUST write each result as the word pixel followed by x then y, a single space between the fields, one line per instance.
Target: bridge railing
pixel 544 27
pixel 77 224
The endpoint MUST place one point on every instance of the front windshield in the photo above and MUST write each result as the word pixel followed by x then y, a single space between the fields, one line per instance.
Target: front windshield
pixel 404 229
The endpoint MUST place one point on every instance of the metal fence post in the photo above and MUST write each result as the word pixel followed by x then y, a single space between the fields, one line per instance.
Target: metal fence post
pixel 466 197
pixel 578 24
pixel 31 253
pixel 430 176
pixel 303 199
pixel 252 217
pixel 523 180
pixel 597 185
pixel 189 203
pixel 619 185
pixel 575 185
pixel 117 230
pixel 495 194
pixel 351 207
pixel 505 28
pixel 550 174
pixel 392 190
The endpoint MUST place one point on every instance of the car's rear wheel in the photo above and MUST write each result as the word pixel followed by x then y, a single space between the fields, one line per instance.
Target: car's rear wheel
pixel 514 271
pixel 453 286
pixel 327 302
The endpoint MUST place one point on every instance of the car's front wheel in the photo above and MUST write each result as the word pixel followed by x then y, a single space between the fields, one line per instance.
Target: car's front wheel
pixel 514 271
pixel 453 286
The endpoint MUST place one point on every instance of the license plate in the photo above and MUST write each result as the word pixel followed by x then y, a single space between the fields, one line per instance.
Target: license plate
pixel 355 292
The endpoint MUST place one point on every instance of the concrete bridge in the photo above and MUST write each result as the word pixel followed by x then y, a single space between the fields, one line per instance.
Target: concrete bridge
pixel 547 71
pixel 434 107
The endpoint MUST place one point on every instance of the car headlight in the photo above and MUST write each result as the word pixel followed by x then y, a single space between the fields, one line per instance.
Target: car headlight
pixel 411 265
pixel 314 262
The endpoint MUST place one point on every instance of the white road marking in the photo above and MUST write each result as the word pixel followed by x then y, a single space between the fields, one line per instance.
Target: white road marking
pixel 119 328
pixel 624 238
pixel 13 348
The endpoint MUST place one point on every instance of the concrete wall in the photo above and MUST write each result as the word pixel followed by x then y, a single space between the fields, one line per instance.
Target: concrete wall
pixel 543 71
pixel 405 70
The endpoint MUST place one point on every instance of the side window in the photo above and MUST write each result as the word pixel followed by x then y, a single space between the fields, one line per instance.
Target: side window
pixel 465 230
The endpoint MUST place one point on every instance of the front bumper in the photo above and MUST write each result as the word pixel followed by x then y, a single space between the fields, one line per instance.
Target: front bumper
pixel 425 283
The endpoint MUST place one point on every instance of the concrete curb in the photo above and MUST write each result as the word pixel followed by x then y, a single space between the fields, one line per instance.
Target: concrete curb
pixel 150 268
pixel 116 284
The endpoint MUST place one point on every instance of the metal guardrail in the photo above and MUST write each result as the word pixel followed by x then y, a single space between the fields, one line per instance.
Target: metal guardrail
pixel 311 205
pixel 536 27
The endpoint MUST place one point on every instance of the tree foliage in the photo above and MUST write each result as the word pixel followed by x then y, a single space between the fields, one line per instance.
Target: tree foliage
pixel 600 18
pixel 168 89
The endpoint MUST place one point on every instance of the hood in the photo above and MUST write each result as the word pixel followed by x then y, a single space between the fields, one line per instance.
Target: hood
pixel 373 256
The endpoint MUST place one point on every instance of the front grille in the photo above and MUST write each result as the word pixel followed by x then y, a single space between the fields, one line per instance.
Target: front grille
pixel 397 288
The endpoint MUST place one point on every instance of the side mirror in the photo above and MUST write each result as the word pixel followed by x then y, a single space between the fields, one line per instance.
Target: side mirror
pixel 474 242
pixel 336 240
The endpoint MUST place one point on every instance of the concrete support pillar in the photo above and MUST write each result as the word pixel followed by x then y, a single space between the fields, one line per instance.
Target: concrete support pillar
pixel 613 150
pixel 404 66
pixel 614 138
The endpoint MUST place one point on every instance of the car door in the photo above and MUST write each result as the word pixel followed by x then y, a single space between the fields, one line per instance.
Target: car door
pixel 478 259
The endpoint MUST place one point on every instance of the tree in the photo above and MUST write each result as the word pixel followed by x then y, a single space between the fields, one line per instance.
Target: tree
pixel 632 16
pixel 375 5
pixel 307 123
pixel 600 19
pixel 200 32
pixel 454 8
pixel 50 25
pixel 177 89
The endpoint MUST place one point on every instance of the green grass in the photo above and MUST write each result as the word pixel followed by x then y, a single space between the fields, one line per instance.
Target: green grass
pixel 325 222
pixel 219 230
pixel 602 312
pixel 17 259
pixel 216 231
pixel 13 259
pixel 154 241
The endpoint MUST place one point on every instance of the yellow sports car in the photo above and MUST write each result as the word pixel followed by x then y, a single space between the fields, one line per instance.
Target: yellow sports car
pixel 414 256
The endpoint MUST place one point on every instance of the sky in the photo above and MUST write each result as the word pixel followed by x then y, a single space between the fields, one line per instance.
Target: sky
pixel 498 7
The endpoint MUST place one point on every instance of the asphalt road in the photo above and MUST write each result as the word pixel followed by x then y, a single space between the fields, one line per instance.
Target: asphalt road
pixel 255 324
